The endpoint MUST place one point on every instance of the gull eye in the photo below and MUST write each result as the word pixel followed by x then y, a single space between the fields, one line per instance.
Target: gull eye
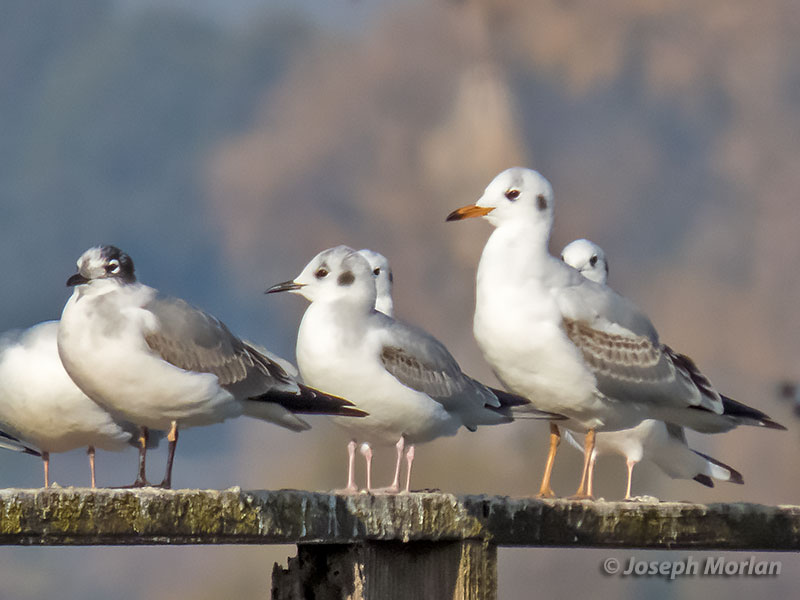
pixel 593 260
pixel 321 273
pixel 112 267
pixel 512 194
pixel 541 202
pixel 376 271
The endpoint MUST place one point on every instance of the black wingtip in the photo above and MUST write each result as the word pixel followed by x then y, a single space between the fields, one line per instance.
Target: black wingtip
pixel 704 479
pixel 524 407
pixel 736 409
pixel 770 424
pixel 311 401
pixel 734 477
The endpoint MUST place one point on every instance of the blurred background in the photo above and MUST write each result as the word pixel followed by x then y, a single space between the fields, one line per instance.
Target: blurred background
pixel 223 144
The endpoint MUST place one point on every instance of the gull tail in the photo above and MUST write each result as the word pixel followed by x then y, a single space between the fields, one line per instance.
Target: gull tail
pixel 718 470
pixel 9 442
pixel 518 407
pixel 747 415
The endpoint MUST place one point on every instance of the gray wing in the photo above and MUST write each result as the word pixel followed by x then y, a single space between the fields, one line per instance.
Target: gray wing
pixel 422 363
pixel 191 339
pixel 581 299
pixel 634 367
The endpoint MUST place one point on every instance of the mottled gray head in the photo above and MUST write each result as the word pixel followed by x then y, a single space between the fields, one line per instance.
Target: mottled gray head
pixel 335 274
pixel 588 258
pixel 103 262
pixel 382 273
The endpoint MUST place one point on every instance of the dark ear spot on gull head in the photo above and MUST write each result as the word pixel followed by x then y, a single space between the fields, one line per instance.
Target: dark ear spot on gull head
pixel 118 264
pixel 346 278
pixel 541 202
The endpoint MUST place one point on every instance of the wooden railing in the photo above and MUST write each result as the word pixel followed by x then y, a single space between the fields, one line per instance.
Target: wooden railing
pixel 420 545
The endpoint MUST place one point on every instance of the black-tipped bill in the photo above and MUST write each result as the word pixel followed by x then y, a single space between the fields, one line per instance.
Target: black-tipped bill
pixel 466 212
pixel 76 279
pixel 286 286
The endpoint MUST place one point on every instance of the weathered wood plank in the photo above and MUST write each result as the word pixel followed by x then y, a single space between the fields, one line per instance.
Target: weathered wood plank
pixel 76 516
pixel 456 570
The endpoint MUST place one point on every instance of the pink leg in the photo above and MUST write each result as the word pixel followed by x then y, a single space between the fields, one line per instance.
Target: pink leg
pixel 630 464
pixel 46 461
pixel 400 446
pixel 366 452
pixel 351 469
pixel 410 461
pixel 90 452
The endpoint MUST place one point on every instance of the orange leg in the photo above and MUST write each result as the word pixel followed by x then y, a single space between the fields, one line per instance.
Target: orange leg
pixel 90 452
pixel 589 489
pixel 545 491
pixel 583 488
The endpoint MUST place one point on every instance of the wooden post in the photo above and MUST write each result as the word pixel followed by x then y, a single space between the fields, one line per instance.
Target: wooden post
pixel 462 570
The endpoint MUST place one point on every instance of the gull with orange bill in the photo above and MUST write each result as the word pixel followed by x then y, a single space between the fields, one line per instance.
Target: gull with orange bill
pixel 573 346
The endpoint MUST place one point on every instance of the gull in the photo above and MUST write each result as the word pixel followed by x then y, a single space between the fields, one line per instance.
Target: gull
pixel 384 279
pixel 662 443
pixel 162 364
pixel 408 382
pixel 41 405
pixel 384 303
pixel 570 345
pixel 588 259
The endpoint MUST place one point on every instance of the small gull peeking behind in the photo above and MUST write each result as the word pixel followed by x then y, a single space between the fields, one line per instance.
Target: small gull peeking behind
pixel 663 444
pixel 163 364
pixel 384 280
pixel 409 384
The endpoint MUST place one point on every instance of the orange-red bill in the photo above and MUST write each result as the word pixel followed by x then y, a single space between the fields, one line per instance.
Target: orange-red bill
pixel 466 212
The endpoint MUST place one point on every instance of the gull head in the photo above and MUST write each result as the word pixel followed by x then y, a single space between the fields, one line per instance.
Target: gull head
pixel 588 258
pixel 103 262
pixel 515 195
pixel 382 273
pixel 333 275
